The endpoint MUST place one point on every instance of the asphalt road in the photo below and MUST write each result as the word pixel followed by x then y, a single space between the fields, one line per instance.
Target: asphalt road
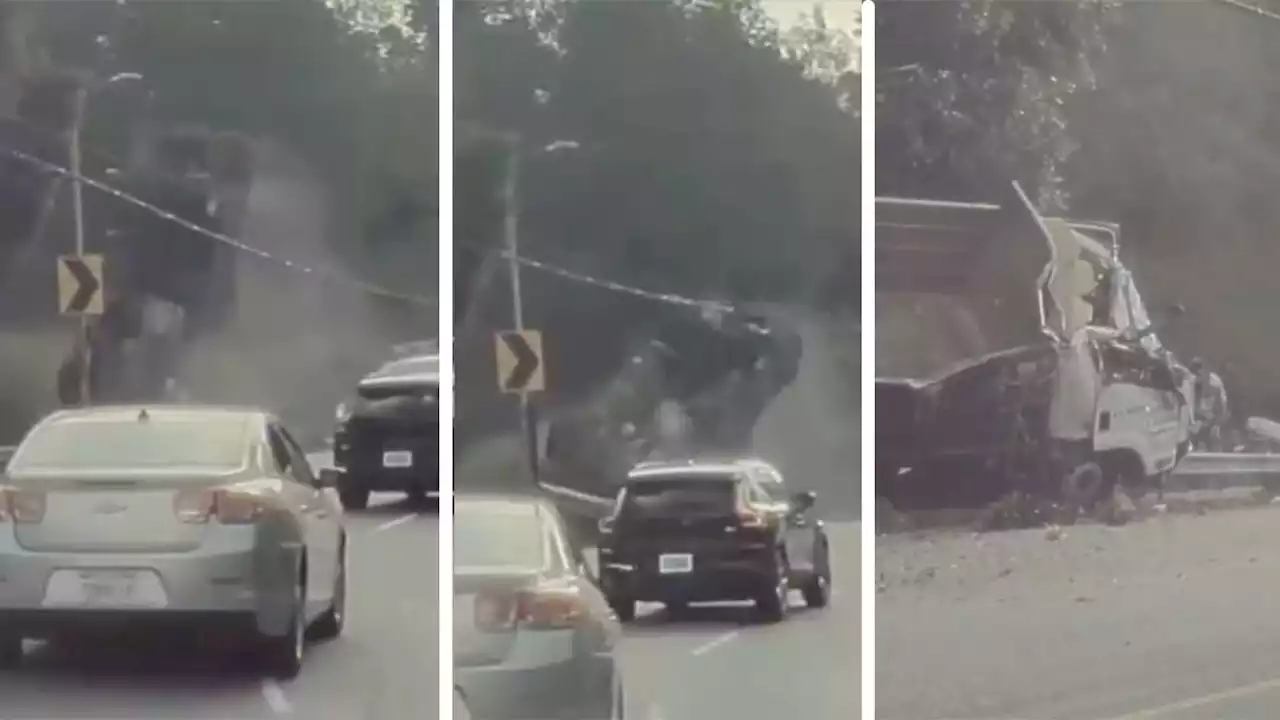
pixel 1173 617
pixel 384 667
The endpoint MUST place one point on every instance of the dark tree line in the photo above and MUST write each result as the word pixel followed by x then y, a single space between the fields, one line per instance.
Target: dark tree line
pixel 713 155
pixel 1160 116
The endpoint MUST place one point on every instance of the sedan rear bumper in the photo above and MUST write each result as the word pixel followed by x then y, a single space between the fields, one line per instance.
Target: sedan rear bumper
pixel 568 690
pixel 61 623
pixel 228 584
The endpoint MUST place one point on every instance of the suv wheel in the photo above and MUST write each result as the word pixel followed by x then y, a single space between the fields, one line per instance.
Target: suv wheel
pixel 353 496
pixel 772 602
pixel 10 650
pixel 625 608
pixel 817 592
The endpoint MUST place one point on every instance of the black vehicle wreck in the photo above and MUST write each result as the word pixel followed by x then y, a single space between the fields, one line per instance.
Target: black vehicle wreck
pixel 1014 353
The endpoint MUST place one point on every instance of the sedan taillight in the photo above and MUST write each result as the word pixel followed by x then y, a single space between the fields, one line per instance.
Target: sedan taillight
pixel 21 505
pixel 540 609
pixel 229 506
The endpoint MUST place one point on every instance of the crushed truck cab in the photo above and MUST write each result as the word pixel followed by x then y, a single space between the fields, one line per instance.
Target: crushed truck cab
pixel 973 303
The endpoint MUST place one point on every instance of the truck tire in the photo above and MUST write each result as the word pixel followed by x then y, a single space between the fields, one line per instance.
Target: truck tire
pixel 1085 485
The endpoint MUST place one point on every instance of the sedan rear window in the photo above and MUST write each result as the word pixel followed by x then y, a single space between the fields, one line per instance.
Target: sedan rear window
pixel 497 538
pixel 680 496
pixel 92 444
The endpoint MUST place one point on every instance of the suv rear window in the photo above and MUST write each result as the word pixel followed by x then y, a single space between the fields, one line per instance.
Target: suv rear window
pixel 680 496
pixel 429 393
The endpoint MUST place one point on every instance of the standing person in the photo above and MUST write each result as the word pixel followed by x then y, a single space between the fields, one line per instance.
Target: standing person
pixel 1210 407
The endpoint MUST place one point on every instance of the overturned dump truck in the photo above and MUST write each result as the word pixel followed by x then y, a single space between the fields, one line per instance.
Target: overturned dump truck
pixel 974 307
pixel 720 369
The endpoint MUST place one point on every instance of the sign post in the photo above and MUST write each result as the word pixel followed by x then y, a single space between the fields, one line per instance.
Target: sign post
pixel 520 372
pixel 80 290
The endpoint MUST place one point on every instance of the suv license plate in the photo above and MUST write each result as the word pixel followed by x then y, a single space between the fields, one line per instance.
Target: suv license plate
pixel 397 459
pixel 675 564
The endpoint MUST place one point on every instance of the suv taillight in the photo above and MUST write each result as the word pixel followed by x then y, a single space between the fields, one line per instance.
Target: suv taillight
pixel 21 505
pixel 229 506
pixel 749 518
pixel 540 609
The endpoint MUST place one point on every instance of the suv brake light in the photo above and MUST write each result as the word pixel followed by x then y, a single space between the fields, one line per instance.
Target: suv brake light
pixel 21 506
pixel 229 506
pixel 541 609
pixel 749 518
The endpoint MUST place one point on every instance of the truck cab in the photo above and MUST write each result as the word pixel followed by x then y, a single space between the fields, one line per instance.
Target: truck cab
pixel 973 304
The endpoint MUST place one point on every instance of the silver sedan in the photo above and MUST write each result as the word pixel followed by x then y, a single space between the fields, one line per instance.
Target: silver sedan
pixel 175 517
pixel 533 636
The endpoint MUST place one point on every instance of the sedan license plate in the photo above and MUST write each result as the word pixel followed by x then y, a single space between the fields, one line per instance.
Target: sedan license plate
pixel 397 459
pixel 104 589
pixel 675 564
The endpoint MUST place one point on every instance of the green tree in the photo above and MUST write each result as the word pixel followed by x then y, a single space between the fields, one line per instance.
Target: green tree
pixel 973 94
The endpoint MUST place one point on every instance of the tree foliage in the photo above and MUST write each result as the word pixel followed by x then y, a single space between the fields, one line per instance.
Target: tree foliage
pixel 713 157
pixel 349 85
pixel 974 94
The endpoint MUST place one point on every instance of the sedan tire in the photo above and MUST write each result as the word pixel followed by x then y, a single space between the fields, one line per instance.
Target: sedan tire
pixel 329 625
pixel 282 655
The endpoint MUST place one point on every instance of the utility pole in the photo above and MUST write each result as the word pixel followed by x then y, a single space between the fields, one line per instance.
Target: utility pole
pixel 77 204
pixel 511 233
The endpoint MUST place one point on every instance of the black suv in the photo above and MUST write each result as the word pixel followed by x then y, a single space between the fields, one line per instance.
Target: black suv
pixel 706 531
pixel 388 437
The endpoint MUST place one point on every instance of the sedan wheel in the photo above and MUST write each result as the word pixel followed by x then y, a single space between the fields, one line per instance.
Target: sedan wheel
pixel 330 625
pixel 282 655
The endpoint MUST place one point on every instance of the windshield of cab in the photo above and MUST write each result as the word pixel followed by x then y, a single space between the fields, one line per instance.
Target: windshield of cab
pixel 91 444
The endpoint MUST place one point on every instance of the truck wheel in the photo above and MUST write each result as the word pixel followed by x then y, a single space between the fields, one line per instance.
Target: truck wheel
pixel 1085 485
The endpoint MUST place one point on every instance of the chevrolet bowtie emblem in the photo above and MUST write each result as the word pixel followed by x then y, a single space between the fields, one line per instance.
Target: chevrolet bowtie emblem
pixel 108 507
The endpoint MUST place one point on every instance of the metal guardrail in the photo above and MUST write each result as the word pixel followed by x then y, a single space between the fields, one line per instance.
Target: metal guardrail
pixel 1228 464
pixel 578 501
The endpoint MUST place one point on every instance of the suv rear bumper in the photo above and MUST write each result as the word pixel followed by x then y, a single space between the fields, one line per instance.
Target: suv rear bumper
pixel 383 480
pixel 712 580
pixel 360 457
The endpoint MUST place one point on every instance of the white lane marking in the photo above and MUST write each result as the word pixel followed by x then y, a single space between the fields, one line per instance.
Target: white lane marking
pixel 1195 702
pixel 275 697
pixel 398 521
pixel 714 643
